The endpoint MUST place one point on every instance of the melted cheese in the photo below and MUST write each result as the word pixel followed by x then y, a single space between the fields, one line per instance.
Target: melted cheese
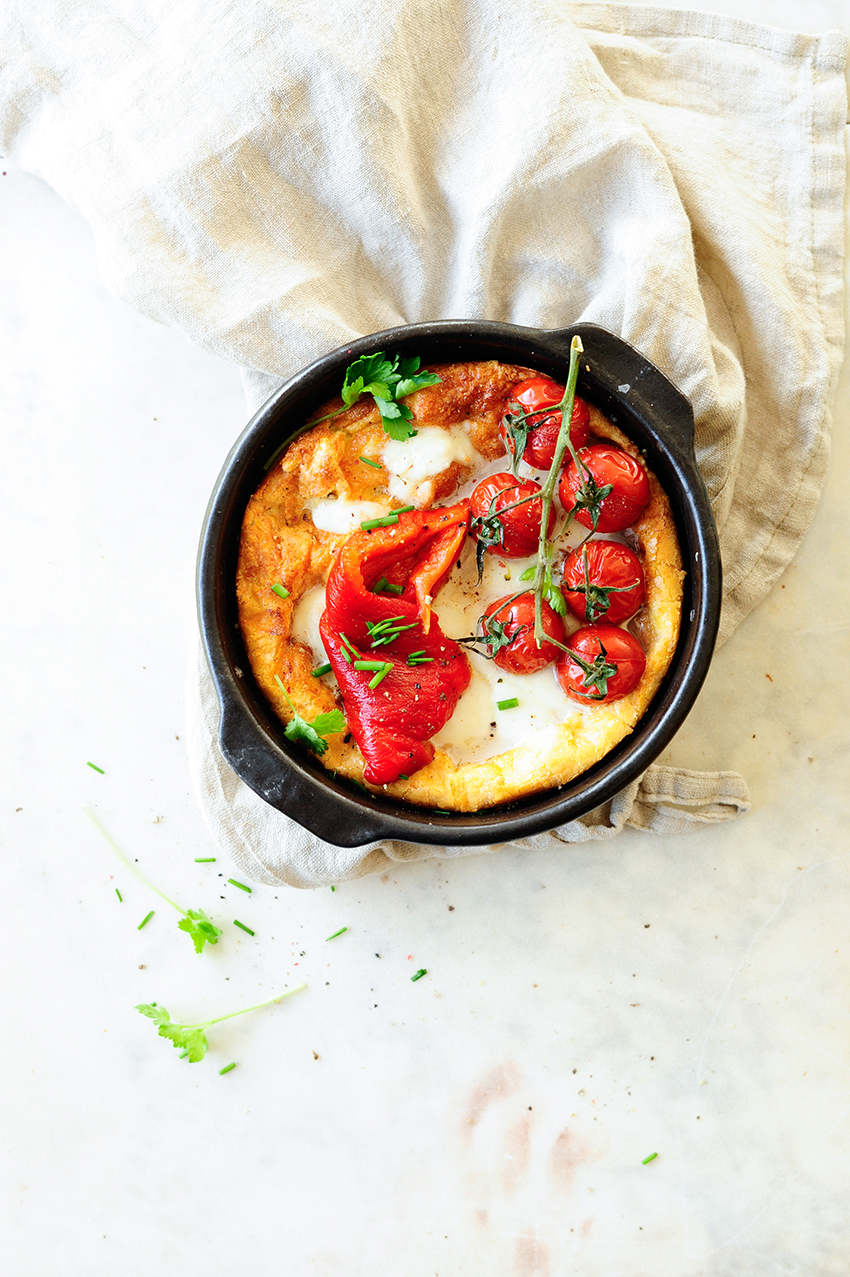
pixel 345 516
pixel 410 463
pixel 292 529
pixel 305 622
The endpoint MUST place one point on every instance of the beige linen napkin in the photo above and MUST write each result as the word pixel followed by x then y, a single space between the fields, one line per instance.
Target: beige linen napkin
pixel 277 178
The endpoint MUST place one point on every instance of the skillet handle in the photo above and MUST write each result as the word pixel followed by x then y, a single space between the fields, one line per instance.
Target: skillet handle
pixel 328 812
pixel 650 395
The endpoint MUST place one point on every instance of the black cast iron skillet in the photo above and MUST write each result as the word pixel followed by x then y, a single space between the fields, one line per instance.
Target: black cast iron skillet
pixel 627 389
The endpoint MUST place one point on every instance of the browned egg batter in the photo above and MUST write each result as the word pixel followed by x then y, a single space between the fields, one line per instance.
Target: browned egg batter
pixel 321 489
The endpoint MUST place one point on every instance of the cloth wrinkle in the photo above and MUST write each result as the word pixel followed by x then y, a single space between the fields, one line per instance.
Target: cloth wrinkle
pixel 278 177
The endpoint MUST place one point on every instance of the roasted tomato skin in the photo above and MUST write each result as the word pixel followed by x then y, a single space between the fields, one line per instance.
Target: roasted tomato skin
pixel 622 652
pixel 516 533
pixel 610 566
pixel 630 487
pixel 540 392
pixel 522 655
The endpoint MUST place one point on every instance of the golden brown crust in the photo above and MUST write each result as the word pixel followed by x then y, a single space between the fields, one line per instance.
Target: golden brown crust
pixel 280 542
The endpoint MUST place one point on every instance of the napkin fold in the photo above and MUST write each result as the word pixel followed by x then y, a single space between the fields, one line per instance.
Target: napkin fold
pixel 278 178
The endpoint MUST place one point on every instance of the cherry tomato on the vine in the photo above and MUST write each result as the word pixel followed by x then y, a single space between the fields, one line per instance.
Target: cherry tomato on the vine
pixel 610 664
pixel 513 532
pixel 603 581
pixel 509 631
pixel 609 467
pixel 543 429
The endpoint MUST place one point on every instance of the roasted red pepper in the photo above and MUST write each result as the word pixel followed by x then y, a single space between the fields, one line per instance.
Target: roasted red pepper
pixel 393 721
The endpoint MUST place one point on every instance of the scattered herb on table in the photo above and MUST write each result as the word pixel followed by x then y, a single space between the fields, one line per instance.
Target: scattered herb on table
pixel 240 885
pixel 145 920
pixel 420 973
pixel 194 922
pixel 190 1039
pixel 237 923
pixel 95 768
pixel 336 933
pixel 648 1159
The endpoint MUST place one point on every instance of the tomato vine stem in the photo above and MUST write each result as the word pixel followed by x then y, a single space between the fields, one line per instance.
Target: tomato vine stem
pixel 546 549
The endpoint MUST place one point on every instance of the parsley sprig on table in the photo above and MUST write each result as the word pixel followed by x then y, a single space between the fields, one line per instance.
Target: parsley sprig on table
pixel 194 922
pixel 191 1039
pixel 388 381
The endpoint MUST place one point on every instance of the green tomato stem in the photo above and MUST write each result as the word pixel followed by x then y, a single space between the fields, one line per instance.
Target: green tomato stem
pixel 545 551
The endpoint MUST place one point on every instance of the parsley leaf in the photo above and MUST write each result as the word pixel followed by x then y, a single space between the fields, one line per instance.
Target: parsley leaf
pixel 551 593
pixel 191 1039
pixel 311 734
pixel 365 375
pixel 410 379
pixel 387 381
pixel 201 928
pixel 553 596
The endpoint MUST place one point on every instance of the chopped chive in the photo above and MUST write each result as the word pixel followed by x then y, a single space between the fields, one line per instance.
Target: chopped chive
pixel 402 776
pixel 404 509
pixel 438 811
pixel 237 923
pixel 280 590
pixel 648 1159
pixel 333 888
pixel 95 767
pixel 273 458
pixel 267 465
pixel 118 894
pixel 369 665
pixel 145 920
pixel 420 973
pixel 419 658
pixel 348 646
pixel 511 704
pixel 367 462
pixel 386 522
pixel 383 586
pixel 385 632
pixel 321 669
pixel 240 885
pixel 336 933
pixel 379 678
pixel 205 860
pixel 226 1069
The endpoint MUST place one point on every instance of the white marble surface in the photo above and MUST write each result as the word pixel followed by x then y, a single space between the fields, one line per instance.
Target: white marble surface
pixel 685 996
